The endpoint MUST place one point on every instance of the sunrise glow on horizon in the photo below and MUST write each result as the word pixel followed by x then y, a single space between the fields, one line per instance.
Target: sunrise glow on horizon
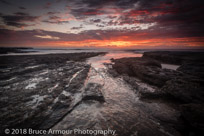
pixel 102 23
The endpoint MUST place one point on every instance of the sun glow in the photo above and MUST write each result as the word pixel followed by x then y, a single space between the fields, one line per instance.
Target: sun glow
pixel 127 43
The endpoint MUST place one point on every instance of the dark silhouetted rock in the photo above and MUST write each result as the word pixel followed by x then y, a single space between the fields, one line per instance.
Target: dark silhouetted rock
pixel 5 50
pixel 182 89
pixel 175 57
pixel 147 70
pixel 193 115
pixel 185 89
pixel 193 68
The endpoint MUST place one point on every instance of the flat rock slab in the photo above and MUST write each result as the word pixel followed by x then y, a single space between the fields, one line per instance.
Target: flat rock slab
pixel 36 91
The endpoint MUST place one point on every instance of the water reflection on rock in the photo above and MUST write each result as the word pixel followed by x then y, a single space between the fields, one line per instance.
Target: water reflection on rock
pixel 122 110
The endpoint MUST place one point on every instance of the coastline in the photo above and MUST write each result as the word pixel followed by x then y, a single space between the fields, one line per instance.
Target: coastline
pixel 181 88
pixel 134 93
pixel 37 91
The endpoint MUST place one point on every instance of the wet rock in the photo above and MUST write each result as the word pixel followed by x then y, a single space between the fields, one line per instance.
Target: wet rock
pixel 178 85
pixel 113 72
pixel 147 70
pixel 182 89
pixel 62 102
pixel 175 57
pixel 93 92
pixel 193 68
pixel 37 91
pixel 76 82
pixel 164 56
pixel 132 81
pixel 193 116
pixel 185 89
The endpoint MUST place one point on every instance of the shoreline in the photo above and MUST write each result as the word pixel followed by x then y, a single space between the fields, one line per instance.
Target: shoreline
pixel 181 89
pixel 46 91
pixel 40 90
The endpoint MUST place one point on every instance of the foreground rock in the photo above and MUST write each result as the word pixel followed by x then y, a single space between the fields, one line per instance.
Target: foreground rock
pixel 182 89
pixel 37 91
pixel 193 116
pixel 93 92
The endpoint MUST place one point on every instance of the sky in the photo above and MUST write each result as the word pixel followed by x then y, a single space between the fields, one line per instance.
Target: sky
pixel 138 24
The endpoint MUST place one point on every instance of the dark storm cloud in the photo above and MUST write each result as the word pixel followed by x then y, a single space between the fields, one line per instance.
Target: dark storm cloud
pixel 77 28
pixel 5 2
pixel 92 3
pixel 52 13
pixel 95 20
pixel 81 8
pixel 83 12
pixel 18 19
pixel 112 17
pixel 23 8
pixel 21 14
pixel 172 19
pixel 168 10
pixel 30 35
pixel 47 5
pixel 53 19
pixel 185 15
pixel 100 25
pixel 153 33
